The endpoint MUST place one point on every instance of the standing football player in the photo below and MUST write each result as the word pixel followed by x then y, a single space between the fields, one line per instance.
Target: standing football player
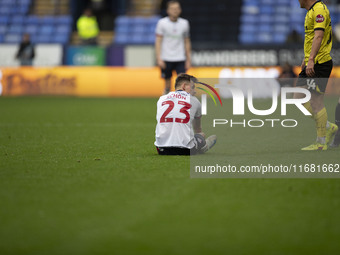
pixel 316 69
pixel 173 45
pixel 178 130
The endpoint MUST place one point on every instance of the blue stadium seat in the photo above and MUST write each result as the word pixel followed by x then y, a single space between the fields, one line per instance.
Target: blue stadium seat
pixel 267 2
pixel 281 29
pixel 248 28
pixel 267 9
pixel 265 28
pixel 122 20
pixel 246 18
pixel 47 20
pixel 251 9
pixel 1 38
pixel 42 39
pixel 60 38
pixel 32 20
pixel 266 18
pixel 123 29
pixel 150 39
pixel 22 9
pixel 282 10
pixel 18 19
pixel 139 29
pixel 281 19
pixel 122 38
pixel 64 20
pixel 63 29
pixel 283 2
pixel 138 39
pixel 7 2
pixel 5 10
pixel 31 29
pixel 151 29
pixel 3 29
pixel 15 29
pixel 24 2
pixel 12 38
pixel 46 30
pixel 264 38
pixel 4 19
pixel 251 2
pixel 247 38
pixel 279 38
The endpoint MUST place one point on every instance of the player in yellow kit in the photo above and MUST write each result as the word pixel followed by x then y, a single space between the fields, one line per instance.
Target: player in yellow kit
pixel 316 68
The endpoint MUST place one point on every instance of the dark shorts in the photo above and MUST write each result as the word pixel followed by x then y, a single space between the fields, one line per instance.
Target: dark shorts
pixel 199 144
pixel 179 67
pixel 319 82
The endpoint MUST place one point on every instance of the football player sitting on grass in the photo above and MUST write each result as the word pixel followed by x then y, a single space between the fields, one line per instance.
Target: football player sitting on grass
pixel 178 130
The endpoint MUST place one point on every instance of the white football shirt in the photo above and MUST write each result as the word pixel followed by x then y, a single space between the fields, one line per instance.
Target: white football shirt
pixel 175 113
pixel 174 33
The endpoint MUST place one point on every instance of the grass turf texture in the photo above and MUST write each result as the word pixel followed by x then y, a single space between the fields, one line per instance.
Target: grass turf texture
pixel 81 176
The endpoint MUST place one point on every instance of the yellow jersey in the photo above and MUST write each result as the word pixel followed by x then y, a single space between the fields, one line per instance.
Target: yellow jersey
pixel 318 18
pixel 87 27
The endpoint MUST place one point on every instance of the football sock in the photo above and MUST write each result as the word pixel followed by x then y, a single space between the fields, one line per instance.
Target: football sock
pixel 309 108
pixel 321 122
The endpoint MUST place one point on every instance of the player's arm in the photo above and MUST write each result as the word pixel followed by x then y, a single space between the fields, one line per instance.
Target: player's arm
pixel 318 37
pixel 187 43
pixel 303 64
pixel 197 126
pixel 196 123
pixel 158 46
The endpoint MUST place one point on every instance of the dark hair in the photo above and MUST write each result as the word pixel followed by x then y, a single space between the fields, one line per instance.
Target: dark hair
pixel 183 77
pixel 172 2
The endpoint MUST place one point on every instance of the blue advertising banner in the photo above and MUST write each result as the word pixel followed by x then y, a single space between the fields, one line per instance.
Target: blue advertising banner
pixel 85 56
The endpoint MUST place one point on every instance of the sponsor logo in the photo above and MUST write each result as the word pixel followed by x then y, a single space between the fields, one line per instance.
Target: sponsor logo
pixel 208 92
pixel 319 18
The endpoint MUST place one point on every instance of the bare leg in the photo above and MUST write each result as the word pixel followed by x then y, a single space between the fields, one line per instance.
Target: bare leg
pixel 167 86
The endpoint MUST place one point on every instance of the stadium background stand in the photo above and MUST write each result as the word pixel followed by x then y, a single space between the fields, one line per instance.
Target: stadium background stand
pixel 16 19
pixel 219 24
pixel 270 21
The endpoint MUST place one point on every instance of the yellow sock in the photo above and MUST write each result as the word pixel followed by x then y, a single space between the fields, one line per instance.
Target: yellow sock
pixel 309 108
pixel 321 122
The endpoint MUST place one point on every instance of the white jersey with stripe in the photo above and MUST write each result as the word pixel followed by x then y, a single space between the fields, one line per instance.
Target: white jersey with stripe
pixel 173 33
pixel 175 113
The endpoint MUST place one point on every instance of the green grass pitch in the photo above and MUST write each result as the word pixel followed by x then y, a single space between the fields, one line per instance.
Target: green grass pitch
pixel 81 176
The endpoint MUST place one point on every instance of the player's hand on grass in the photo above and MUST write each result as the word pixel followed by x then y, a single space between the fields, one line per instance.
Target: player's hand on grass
pixel 161 64
pixel 310 68
pixel 202 134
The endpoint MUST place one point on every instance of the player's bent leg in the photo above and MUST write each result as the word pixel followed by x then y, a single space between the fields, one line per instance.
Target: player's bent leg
pixel 166 75
pixel 210 142
pixel 199 142
pixel 167 86
pixel 202 145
